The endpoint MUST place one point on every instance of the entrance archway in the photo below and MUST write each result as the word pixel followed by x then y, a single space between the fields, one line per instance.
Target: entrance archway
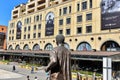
pixel 67 45
pixel 26 47
pixel 48 46
pixel 17 47
pixel 110 46
pixel 10 47
pixel 36 47
pixel 84 46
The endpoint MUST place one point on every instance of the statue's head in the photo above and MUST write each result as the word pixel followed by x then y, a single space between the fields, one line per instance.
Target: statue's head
pixel 60 39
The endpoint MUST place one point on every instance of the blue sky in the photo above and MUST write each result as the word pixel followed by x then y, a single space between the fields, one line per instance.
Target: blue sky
pixel 6 6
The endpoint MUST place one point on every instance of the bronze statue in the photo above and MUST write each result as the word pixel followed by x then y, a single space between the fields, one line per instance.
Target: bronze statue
pixel 60 61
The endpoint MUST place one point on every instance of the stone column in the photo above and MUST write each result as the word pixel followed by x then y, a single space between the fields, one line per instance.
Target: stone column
pixel 47 3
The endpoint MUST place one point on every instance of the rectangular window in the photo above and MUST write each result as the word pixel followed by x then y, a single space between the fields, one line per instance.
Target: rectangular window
pixel 12 38
pixel 68 20
pixel 39 35
pixel 78 7
pixel 61 22
pixel 79 30
pixel 34 35
pixel 60 12
pixel 65 10
pixel 79 18
pixel 90 3
pixel 84 5
pixel 34 27
pixel 27 20
pixel 28 36
pixel 39 26
pixel 12 31
pixel 9 38
pixel 11 25
pixel 89 16
pixel 24 21
pixel 24 36
pixel 67 31
pixel 60 31
pixel 37 18
pixel 88 29
pixel 28 28
pixel 30 20
pixel 41 17
pixel 25 29
pixel 69 9
pixel 34 19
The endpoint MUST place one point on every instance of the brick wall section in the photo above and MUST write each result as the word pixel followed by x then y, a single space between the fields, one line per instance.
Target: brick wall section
pixel 4 30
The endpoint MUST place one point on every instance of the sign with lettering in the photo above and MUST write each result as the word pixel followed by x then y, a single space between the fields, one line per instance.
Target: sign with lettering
pixel 18 30
pixel 110 18
pixel 49 30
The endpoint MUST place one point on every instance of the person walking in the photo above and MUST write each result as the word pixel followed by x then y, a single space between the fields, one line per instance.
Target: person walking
pixel 36 78
pixel 14 68
pixel 28 78
pixel 32 69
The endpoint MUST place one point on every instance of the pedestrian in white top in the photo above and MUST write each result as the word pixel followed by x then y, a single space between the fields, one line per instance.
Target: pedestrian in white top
pixel 36 78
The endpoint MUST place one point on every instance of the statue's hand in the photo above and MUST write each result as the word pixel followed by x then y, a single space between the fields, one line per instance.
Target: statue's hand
pixel 45 68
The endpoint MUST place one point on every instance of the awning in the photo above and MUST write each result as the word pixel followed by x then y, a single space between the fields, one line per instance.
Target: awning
pixel 76 55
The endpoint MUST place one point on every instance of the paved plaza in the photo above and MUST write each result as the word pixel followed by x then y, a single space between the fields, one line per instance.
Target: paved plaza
pixel 6 73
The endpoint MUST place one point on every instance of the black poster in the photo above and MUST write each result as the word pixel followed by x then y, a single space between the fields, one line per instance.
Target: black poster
pixel 18 31
pixel 49 30
pixel 110 14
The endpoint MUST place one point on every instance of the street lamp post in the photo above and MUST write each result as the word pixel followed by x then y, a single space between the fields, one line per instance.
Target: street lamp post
pixel 110 32
pixel 110 27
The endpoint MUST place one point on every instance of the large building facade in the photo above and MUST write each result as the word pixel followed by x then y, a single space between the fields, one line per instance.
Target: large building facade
pixel 84 24
pixel 3 32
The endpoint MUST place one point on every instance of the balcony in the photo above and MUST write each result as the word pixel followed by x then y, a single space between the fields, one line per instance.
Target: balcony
pixel 15 12
pixel 64 0
pixel 40 2
pixel 41 7
pixel 15 16
pixel 31 6
pixel 31 11
pixel 31 0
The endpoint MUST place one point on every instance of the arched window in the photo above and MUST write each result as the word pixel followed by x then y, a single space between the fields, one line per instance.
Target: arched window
pixel 10 47
pixel 67 45
pixel 110 46
pixel 36 47
pixel 17 47
pixel 84 46
pixel 26 47
pixel 48 47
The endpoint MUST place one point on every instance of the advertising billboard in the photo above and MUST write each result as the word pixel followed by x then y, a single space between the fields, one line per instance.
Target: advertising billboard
pixel 18 31
pixel 49 30
pixel 110 14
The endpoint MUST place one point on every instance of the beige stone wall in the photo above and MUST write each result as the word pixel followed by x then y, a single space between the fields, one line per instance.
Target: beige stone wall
pixel 83 37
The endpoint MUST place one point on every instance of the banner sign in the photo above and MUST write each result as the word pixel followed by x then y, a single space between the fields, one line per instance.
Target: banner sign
pixel 110 18
pixel 49 30
pixel 18 31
